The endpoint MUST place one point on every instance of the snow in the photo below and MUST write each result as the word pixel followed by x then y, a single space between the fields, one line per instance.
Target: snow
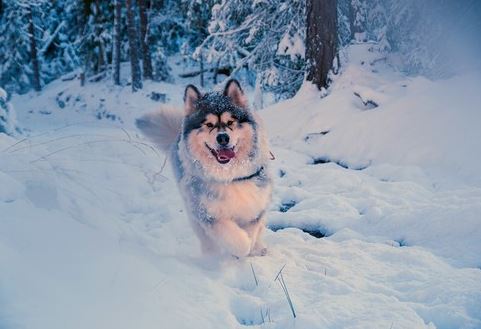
pixel 414 154
pixel 8 119
pixel 93 233
pixel 292 46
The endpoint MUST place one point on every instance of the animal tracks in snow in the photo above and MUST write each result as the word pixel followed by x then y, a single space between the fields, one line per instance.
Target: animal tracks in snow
pixel 247 310
pixel 340 163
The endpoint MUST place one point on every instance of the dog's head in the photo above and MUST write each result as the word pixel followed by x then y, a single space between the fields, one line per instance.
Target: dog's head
pixel 220 131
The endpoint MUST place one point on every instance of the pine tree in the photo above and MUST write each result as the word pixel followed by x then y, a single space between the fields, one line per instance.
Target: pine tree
pixel 377 24
pixel 133 48
pixel 13 76
pixel 144 35
pixel 58 47
pixel 7 115
pixel 19 56
pixel 321 39
pixel 263 36
pixel 95 37
pixel 357 18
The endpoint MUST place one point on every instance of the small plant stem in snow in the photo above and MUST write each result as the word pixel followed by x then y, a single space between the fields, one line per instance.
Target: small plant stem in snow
pixel 254 274
pixel 280 279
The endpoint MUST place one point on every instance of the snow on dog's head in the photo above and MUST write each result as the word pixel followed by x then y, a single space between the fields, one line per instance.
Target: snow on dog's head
pixel 220 131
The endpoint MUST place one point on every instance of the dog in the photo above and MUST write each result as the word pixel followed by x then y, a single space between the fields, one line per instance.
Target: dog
pixel 220 154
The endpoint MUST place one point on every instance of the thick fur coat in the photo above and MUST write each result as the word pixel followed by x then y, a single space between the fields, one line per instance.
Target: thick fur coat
pixel 220 155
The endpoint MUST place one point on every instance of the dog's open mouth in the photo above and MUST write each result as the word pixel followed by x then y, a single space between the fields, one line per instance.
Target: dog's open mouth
pixel 222 155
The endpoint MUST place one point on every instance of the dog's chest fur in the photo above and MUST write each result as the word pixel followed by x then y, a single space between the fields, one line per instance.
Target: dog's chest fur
pixel 242 202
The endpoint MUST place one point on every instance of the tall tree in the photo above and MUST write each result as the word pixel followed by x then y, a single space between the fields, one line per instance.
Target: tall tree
pixel 33 51
pixel 239 38
pixel 144 35
pixel 133 48
pixel 15 66
pixel 7 115
pixel 117 41
pixel 321 40
pixel 95 39
pixel 357 19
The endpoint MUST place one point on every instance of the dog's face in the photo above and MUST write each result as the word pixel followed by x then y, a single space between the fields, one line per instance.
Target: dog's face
pixel 219 130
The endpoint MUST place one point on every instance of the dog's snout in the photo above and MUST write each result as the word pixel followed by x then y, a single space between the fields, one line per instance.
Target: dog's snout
pixel 223 139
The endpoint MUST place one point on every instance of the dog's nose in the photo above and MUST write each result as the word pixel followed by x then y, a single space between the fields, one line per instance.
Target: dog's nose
pixel 223 139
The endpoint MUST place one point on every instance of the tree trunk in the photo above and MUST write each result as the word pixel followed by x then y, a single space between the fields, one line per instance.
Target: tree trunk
pixel 117 41
pixel 216 72
pixel 33 52
pixel 133 48
pixel 201 70
pixel 352 18
pixel 258 95
pixel 102 59
pixel 144 35
pixel 82 78
pixel 321 40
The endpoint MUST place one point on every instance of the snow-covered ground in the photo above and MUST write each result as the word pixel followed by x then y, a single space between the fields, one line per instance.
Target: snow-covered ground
pixel 93 232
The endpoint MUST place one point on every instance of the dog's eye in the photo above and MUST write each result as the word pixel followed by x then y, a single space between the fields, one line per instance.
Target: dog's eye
pixel 230 123
pixel 209 125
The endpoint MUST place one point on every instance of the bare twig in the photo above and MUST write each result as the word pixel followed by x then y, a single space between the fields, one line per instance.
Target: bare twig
pixel 282 283
pixel 278 273
pixel 255 277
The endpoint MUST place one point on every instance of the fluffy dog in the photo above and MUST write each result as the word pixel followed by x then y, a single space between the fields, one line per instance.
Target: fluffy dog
pixel 220 155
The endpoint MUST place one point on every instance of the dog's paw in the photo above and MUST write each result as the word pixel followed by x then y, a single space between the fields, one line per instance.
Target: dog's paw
pixel 240 250
pixel 259 252
pixel 238 245
pixel 231 238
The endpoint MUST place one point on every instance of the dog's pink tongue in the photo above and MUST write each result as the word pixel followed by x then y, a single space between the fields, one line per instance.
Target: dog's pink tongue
pixel 225 154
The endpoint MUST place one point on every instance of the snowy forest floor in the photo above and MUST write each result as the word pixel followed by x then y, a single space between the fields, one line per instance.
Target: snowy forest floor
pixel 375 220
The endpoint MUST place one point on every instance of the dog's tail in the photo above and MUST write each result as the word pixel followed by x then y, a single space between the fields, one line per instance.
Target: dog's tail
pixel 161 127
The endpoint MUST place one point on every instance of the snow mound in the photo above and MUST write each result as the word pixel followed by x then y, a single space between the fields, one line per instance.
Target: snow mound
pixel 417 122
pixel 406 170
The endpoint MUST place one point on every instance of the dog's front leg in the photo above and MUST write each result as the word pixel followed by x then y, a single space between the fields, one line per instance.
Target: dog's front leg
pixel 230 237
pixel 255 231
pixel 224 232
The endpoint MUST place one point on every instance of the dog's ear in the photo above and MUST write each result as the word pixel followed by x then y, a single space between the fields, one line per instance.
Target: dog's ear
pixel 234 91
pixel 191 95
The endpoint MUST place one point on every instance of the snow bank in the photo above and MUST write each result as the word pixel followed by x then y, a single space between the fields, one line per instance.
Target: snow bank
pixel 417 122
pixel 406 170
